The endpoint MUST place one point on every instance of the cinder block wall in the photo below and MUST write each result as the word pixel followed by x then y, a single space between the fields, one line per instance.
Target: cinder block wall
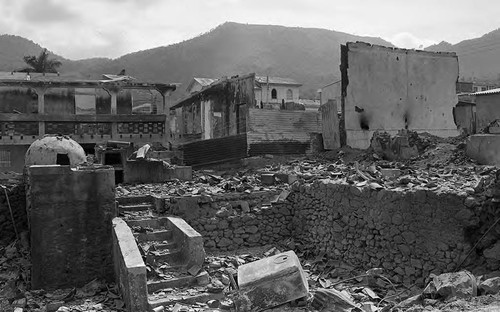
pixel 70 213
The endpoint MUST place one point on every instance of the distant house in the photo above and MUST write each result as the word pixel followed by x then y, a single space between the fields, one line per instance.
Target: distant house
pixel 275 91
pixel 223 121
pixel 197 84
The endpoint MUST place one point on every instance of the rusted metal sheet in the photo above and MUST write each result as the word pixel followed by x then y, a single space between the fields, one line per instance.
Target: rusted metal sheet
pixel 215 150
pixel 331 135
pixel 278 148
pixel 281 132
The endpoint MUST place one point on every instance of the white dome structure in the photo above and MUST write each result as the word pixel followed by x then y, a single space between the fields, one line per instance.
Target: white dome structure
pixel 55 150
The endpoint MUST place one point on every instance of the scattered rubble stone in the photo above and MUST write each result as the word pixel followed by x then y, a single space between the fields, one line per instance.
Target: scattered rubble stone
pixel 490 286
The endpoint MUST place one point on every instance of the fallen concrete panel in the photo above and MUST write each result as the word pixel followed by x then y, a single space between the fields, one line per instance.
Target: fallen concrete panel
pixel 130 269
pixel 271 281
pixel 484 148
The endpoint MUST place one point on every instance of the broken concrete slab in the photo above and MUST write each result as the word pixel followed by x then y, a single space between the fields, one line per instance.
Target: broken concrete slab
pixel 460 284
pixel 490 286
pixel 270 282
pixel 332 300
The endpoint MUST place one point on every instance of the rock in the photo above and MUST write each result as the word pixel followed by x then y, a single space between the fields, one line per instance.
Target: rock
pixel 54 306
pixel 410 302
pixel 226 304
pixel 460 284
pixel 493 252
pixel 21 303
pixel 490 286
pixel 213 303
pixel 332 300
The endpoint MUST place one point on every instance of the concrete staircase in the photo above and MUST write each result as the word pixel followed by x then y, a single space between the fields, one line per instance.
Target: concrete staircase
pixel 171 250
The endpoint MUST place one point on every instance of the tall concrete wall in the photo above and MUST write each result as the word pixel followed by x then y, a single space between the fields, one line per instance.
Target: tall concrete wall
pixel 392 89
pixel 70 213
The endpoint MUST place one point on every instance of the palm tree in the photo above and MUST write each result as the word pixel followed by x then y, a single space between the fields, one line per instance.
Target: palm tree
pixel 41 64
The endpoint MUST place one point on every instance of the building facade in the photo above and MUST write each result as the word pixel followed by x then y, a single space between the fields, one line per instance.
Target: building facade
pixel 88 111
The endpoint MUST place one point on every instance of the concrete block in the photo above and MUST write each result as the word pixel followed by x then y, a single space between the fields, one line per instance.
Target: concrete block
pixel 484 148
pixel 267 178
pixel 271 281
pixel 192 252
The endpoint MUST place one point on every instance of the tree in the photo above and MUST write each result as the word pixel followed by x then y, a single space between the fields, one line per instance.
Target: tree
pixel 41 64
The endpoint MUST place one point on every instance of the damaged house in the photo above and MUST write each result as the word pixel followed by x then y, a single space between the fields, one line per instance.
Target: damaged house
pixel 224 121
pixel 89 111
pixel 390 89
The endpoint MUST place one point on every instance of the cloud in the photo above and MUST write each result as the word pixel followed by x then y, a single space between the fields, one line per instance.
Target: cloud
pixel 409 41
pixel 47 11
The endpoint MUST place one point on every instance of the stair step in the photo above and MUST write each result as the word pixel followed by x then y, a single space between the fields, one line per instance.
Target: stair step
pixel 154 286
pixel 158 236
pixel 156 223
pixel 170 256
pixel 187 299
pixel 165 246
pixel 138 207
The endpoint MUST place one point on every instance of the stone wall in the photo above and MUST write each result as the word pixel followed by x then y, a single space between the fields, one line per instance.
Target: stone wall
pixel 17 199
pixel 232 221
pixel 408 233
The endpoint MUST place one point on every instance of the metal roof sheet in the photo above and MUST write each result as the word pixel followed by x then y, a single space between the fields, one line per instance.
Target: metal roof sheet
pixel 491 91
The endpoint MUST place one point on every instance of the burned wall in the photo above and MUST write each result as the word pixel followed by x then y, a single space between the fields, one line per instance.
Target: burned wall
pixel 389 89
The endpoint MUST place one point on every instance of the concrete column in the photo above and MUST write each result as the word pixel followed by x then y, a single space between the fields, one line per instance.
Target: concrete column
pixel 113 91
pixel 41 109
pixel 165 109
pixel 114 105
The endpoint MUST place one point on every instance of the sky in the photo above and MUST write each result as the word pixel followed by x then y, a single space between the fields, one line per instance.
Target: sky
pixel 78 29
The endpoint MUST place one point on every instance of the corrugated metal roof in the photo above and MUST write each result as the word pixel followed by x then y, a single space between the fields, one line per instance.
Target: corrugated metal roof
pixel 205 81
pixel 491 91
pixel 276 80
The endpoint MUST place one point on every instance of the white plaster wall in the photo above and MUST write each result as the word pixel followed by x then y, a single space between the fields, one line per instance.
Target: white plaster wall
pixel 261 95
pixel 397 88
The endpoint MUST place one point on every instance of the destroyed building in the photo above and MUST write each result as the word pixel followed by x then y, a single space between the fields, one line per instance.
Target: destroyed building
pixel 223 122
pixel 389 89
pixel 89 111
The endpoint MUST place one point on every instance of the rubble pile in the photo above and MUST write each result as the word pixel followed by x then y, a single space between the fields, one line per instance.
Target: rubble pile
pixel 15 202
pixel 16 292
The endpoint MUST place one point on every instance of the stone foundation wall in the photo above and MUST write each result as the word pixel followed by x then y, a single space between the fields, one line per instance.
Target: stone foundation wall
pixel 17 199
pixel 408 233
pixel 232 221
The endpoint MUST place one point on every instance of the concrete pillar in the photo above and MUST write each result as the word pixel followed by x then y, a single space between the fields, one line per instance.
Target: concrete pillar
pixel 41 109
pixel 113 91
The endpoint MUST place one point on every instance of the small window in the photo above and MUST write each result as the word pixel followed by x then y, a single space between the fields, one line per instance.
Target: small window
pixel 62 159
pixel 289 94
pixel 274 94
pixel 5 159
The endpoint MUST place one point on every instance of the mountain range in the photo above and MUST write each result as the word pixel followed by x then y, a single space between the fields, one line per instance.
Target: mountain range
pixel 308 55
